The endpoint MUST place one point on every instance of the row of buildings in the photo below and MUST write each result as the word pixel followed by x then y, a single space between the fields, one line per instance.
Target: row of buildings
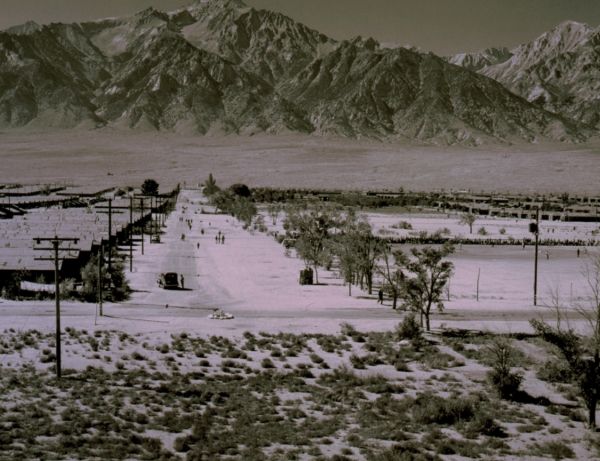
pixel 105 217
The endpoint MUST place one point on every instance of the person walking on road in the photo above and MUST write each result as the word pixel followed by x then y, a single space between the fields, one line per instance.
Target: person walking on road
pixel 182 280
pixel 380 296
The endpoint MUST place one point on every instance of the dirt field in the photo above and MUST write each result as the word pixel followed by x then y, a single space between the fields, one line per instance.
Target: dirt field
pixel 112 157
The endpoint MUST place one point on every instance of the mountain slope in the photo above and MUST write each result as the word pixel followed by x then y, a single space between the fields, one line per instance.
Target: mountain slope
pixel 220 66
pixel 265 43
pixel 560 71
pixel 481 59
pixel 363 90
pixel 46 77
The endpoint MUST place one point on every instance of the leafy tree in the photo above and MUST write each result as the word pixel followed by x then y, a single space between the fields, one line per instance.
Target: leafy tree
pixel 348 261
pixel 240 207
pixel 312 227
pixel 223 201
pixel 89 277
pixel 431 274
pixel 115 286
pixel 581 350
pixel 244 210
pixel 241 190
pixel 10 286
pixel 501 376
pixel 368 250
pixel 210 186
pixel 344 249
pixel 392 274
pixel 468 219
pixel 150 187
pixel 409 329
pixel 274 209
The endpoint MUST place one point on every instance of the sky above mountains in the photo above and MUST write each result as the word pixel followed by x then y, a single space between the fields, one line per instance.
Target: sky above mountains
pixel 442 26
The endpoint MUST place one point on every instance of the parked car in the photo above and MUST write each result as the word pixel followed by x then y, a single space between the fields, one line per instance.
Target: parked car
pixel 168 280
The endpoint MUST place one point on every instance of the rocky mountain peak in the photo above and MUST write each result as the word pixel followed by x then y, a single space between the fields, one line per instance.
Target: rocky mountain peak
pixel 24 29
pixel 559 71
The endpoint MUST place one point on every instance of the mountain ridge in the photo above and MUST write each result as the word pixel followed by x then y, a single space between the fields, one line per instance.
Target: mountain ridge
pixel 219 66
pixel 558 71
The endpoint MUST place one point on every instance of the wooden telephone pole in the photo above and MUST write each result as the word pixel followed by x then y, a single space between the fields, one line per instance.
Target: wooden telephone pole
pixel 534 228
pixel 153 207
pixel 56 242
pixel 110 209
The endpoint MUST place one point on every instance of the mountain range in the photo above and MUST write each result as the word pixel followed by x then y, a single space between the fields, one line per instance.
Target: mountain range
pixel 559 71
pixel 219 66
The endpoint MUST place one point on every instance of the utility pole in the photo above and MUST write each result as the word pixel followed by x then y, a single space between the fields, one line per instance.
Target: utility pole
pixel 153 222
pixel 152 217
pixel 130 234
pixel 142 220
pixel 100 277
pixel 535 229
pixel 110 210
pixel 56 241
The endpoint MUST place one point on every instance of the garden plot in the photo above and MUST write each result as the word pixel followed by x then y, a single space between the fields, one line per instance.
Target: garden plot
pixel 353 395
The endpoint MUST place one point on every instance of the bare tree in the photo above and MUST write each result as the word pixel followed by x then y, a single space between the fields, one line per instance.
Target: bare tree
pixel 580 350
pixel 468 219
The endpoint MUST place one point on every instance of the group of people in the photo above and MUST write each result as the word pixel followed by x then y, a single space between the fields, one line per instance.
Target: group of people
pixel 220 238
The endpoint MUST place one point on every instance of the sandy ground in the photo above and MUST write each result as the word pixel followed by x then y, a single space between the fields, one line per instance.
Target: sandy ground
pixel 105 157
pixel 251 277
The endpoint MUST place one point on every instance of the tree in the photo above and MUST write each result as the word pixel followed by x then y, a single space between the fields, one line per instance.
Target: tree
pixel 210 186
pixel 150 187
pixel 501 376
pixel 468 219
pixel 581 350
pixel 344 249
pixel 223 200
pixel 241 190
pixel 392 274
pixel 274 209
pixel 311 227
pixel 244 210
pixel 368 250
pixel 115 286
pixel 240 207
pixel 431 274
pixel 347 261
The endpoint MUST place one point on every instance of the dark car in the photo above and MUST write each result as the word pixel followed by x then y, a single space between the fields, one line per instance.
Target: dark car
pixel 168 280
